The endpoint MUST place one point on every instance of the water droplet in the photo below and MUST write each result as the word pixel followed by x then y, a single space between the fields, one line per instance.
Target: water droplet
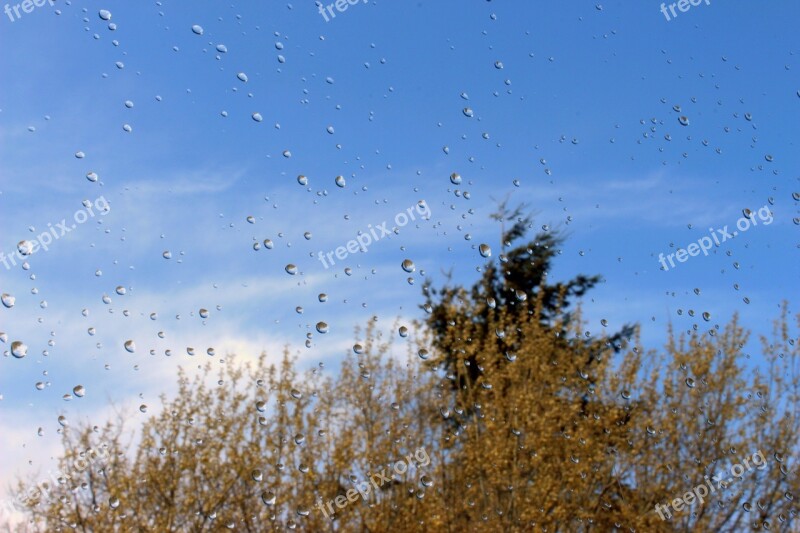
pixel 113 502
pixel 455 178
pixel 143 408
pixel 257 117
pixel 92 176
pixel 203 313
pixel 25 247
pixel 684 121
pixel 408 265
pixel 323 297
pixel 302 180
pixel 340 182
pixel 167 254
pixel 130 346
pixel 468 112
pixel 322 327
pixel 604 322
pixel 706 316
pixel 296 394
pixel 79 391
pixel 19 349
pixel 222 49
pixel 485 250
pixel 104 14
pixel 269 498
pixel 8 300
pixel 242 77
pixel 197 29
pixel 403 331
pixel 120 290
pixel 690 383
pixel 423 354
pixel 291 269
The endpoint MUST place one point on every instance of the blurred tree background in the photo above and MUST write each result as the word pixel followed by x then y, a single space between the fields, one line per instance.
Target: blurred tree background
pixel 529 424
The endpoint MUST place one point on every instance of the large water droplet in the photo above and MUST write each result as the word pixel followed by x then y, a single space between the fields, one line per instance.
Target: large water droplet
pixel 408 265
pixel 8 300
pixel 197 29
pixel 269 497
pixel 130 346
pixel 485 250
pixel 104 14
pixel 19 349
pixel 25 247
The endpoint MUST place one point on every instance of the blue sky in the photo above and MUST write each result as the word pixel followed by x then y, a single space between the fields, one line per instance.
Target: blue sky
pixel 578 114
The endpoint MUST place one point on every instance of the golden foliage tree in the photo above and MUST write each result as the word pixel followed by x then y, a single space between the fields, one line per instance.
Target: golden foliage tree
pixel 501 414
